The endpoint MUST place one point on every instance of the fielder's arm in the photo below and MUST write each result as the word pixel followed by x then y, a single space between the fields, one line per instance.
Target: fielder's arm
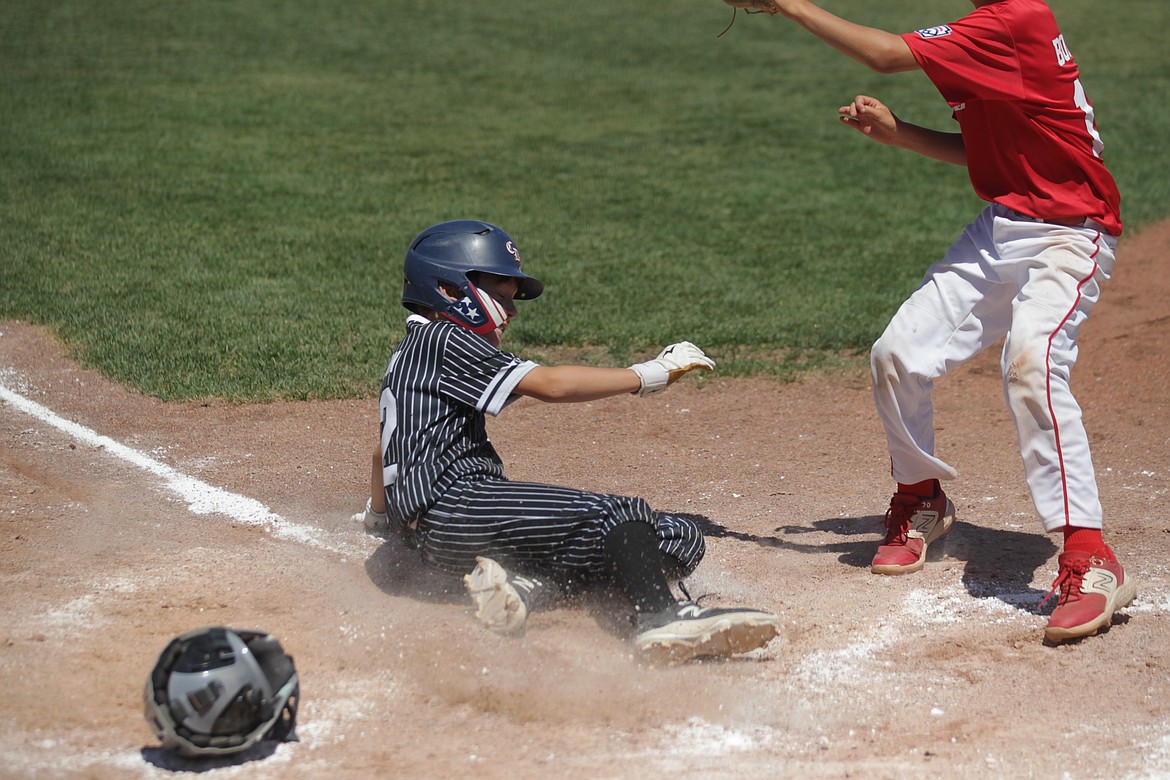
pixel 876 49
pixel 873 119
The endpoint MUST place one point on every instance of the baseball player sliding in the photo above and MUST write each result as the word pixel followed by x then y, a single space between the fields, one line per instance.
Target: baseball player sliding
pixel 438 481
pixel 1027 270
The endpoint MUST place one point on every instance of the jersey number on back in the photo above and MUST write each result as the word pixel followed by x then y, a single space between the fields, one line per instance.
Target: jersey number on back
pixel 389 410
pixel 1083 104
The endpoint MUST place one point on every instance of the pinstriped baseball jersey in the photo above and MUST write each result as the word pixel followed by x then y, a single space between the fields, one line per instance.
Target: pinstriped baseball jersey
pixel 444 480
pixel 440 382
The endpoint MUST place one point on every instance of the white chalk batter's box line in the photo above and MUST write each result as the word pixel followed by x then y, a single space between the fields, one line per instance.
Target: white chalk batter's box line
pixel 199 497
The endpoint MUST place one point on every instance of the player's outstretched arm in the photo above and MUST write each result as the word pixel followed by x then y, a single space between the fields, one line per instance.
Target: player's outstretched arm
pixel 873 119
pixel 569 384
pixel 876 49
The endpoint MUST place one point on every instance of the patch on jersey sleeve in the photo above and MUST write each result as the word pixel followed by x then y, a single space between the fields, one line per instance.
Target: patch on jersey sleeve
pixel 934 32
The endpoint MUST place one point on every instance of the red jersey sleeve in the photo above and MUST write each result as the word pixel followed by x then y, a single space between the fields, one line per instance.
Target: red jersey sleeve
pixel 973 58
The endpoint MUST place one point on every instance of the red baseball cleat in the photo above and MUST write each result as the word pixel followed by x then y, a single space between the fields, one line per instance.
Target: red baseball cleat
pixel 912 524
pixel 1091 590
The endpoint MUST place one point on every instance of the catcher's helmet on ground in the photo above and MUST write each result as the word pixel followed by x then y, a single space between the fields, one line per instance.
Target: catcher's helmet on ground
pixel 445 254
pixel 216 691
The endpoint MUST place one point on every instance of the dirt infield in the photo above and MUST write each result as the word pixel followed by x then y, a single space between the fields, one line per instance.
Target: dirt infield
pixel 125 521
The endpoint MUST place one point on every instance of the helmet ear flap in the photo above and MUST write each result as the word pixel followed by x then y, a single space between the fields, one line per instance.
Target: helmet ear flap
pixel 274 663
pixel 477 311
pixel 496 314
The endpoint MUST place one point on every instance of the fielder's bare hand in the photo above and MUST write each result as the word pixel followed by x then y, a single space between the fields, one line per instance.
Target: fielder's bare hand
pixel 871 117
pixel 669 366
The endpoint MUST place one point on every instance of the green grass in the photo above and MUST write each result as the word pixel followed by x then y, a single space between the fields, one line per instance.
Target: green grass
pixel 213 198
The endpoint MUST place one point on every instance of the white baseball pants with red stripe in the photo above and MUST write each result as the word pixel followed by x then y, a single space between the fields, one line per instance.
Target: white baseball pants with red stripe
pixel 1031 284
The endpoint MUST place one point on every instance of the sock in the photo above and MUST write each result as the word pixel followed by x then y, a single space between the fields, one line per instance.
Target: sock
pixel 632 550
pixel 1086 540
pixel 673 568
pixel 927 488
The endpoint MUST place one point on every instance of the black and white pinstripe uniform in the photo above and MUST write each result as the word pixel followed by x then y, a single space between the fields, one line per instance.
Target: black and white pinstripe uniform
pixel 445 484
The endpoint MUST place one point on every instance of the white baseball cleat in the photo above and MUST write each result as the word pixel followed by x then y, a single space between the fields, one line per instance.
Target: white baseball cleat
pixel 498 604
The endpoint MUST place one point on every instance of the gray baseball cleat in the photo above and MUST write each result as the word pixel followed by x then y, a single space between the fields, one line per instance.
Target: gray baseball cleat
pixel 685 631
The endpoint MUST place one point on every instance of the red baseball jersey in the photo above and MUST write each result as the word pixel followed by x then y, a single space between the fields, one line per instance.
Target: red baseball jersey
pixel 1029 130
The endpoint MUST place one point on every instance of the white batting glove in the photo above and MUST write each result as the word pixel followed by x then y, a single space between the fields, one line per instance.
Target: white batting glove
pixel 373 521
pixel 671 363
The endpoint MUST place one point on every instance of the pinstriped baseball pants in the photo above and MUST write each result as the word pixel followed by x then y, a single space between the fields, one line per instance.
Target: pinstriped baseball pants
pixel 543 529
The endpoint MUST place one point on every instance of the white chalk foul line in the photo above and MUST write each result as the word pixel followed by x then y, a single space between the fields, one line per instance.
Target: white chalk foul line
pixel 200 497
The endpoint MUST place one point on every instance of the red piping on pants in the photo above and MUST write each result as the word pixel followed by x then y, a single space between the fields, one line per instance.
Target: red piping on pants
pixel 1048 380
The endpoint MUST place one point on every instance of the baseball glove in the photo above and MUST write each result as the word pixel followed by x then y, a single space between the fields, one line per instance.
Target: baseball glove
pixel 768 7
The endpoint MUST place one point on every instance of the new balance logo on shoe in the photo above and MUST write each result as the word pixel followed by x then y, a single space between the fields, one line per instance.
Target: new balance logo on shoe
pixel 1100 581
pixel 924 521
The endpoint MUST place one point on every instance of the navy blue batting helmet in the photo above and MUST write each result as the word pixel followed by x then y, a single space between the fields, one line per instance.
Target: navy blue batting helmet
pixel 445 254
